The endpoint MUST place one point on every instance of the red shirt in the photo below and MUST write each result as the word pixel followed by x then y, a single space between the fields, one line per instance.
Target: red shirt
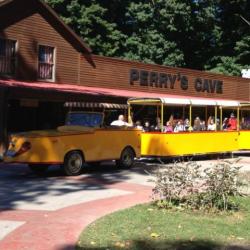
pixel 232 123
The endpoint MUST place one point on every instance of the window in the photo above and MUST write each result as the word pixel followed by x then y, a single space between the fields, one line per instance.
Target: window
pixel 7 56
pixel 46 65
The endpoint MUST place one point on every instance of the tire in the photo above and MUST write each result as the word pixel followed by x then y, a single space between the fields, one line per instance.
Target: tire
pixel 73 163
pixel 127 158
pixel 38 169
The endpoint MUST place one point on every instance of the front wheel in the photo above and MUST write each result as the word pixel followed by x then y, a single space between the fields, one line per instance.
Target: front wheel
pixel 73 163
pixel 127 158
pixel 38 169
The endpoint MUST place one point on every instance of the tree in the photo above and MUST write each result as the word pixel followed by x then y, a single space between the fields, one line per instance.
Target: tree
pixel 88 19
pixel 199 34
pixel 232 53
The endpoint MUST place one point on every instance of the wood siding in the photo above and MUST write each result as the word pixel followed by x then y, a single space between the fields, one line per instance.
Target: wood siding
pixel 36 28
pixel 35 25
pixel 115 73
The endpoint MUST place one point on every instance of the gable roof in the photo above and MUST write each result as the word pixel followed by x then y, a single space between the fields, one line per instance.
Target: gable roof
pixel 81 45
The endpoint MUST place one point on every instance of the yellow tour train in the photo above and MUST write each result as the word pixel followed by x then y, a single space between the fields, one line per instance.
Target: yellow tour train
pixel 85 139
pixel 192 142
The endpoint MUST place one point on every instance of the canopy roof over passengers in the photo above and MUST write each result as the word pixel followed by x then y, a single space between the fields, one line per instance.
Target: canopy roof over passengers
pixel 185 101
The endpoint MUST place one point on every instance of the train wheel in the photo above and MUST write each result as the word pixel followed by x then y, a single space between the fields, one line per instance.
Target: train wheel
pixel 38 169
pixel 127 158
pixel 73 163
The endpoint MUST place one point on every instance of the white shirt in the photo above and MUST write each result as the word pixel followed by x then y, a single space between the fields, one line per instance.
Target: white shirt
pixel 211 127
pixel 179 128
pixel 119 123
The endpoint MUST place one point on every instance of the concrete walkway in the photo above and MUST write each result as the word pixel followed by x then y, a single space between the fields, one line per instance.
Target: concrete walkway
pixel 49 213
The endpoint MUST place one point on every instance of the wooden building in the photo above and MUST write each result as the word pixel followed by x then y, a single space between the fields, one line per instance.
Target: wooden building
pixel 44 64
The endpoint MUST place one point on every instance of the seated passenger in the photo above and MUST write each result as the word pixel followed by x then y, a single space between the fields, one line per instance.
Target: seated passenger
pixel 211 126
pixel 168 127
pixel 138 125
pixel 120 122
pixel 158 124
pixel 197 124
pixel 186 125
pixel 225 124
pixel 146 127
pixel 232 122
pixel 203 125
pixel 179 127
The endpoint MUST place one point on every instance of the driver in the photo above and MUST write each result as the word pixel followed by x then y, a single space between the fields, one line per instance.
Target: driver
pixel 120 121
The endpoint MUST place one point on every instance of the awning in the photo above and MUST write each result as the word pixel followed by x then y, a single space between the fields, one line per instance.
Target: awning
pixel 96 91
pixel 184 101
pixel 95 105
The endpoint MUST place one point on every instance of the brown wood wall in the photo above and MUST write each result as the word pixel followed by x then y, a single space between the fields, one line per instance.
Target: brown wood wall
pixel 33 25
pixel 115 73
pixel 36 28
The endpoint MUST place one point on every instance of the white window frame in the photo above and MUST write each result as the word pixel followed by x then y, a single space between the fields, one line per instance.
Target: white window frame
pixel 14 59
pixel 54 63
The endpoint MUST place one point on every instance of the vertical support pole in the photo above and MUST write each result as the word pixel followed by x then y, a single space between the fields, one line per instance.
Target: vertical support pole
pixel 238 118
pixel 215 117
pixel 162 116
pixel 129 114
pixel 221 117
pixel 3 121
pixel 183 112
pixel 190 115
pixel 206 116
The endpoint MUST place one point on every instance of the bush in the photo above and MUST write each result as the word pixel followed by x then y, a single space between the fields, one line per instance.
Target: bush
pixel 189 185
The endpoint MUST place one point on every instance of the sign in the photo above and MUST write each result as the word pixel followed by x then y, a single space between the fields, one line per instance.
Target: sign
pixel 167 80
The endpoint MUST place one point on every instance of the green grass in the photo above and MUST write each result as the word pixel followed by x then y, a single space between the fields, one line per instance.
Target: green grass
pixel 134 228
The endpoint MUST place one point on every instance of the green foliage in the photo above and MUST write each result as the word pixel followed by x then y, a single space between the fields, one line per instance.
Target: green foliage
pixel 204 34
pixel 227 66
pixel 189 185
pixel 89 20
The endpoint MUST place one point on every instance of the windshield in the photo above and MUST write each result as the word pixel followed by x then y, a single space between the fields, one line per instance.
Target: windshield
pixel 85 119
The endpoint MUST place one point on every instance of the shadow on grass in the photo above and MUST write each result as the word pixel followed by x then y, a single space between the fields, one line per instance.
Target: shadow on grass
pixel 165 245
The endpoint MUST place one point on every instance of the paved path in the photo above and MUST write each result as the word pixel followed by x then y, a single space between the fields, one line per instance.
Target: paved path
pixel 50 212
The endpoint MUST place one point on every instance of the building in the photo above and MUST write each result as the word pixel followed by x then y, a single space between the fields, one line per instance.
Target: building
pixel 44 64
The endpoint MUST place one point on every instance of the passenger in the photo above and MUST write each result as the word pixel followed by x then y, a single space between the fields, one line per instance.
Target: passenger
pixel 138 125
pixel 197 124
pixel 232 122
pixel 186 124
pixel 179 126
pixel 217 124
pixel 225 123
pixel 158 124
pixel 245 123
pixel 211 126
pixel 120 122
pixel 146 127
pixel 203 125
pixel 168 128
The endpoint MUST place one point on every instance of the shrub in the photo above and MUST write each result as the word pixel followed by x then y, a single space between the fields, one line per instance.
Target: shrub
pixel 189 185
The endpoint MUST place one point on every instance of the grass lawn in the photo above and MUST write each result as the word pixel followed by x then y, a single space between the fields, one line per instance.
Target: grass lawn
pixel 147 227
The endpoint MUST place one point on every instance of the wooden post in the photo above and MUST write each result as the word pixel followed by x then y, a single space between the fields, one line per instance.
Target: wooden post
pixel 3 121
